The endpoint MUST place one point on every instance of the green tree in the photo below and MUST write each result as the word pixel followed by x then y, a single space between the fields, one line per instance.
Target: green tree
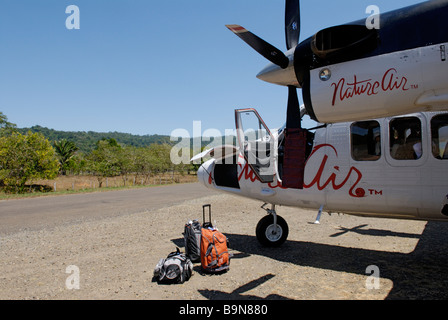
pixel 6 127
pixel 144 163
pixel 65 150
pixel 78 164
pixel 126 159
pixel 104 161
pixel 161 157
pixel 26 157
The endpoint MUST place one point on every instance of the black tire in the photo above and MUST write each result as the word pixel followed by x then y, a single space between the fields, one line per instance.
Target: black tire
pixel 265 231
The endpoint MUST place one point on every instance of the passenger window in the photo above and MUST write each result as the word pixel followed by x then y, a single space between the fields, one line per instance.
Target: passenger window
pixel 439 136
pixel 366 140
pixel 406 138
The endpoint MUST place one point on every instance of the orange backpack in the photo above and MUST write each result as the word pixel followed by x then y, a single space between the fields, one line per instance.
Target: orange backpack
pixel 214 252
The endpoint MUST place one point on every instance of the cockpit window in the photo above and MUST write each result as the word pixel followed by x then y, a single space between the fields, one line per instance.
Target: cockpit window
pixel 406 138
pixel 439 136
pixel 366 141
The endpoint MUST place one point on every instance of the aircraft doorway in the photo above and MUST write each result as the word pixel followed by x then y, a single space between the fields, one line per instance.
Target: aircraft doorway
pixel 257 144
pixel 264 151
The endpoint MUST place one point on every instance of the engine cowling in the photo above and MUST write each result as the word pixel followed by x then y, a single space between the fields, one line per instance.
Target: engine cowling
pixel 379 86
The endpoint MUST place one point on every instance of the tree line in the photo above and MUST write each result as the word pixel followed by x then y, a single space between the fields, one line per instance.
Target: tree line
pixel 86 141
pixel 25 156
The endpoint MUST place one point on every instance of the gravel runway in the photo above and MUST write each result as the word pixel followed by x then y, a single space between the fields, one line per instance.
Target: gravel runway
pixel 115 255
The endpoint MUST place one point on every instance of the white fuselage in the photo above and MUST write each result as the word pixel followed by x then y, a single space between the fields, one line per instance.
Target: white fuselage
pixel 341 180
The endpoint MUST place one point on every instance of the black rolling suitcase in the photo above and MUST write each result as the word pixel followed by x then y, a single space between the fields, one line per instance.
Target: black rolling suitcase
pixel 192 240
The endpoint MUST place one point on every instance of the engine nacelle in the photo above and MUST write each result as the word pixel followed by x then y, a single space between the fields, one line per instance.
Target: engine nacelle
pixel 379 86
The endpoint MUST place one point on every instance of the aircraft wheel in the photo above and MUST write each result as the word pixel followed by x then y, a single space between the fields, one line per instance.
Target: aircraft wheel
pixel 268 235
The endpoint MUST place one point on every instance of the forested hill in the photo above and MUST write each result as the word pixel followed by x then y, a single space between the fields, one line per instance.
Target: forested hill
pixel 86 141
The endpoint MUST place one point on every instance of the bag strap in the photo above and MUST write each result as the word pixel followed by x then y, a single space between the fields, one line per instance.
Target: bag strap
pixel 176 253
pixel 209 249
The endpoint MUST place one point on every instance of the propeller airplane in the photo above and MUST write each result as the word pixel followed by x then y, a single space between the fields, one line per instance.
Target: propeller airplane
pixel 379 96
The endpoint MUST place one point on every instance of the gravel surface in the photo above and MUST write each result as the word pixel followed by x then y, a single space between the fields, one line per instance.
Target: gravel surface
pixel 115 257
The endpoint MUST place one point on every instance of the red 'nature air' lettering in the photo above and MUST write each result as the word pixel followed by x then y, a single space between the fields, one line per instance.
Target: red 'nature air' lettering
pixel 248 174
pixel 356 193
pixel 344 90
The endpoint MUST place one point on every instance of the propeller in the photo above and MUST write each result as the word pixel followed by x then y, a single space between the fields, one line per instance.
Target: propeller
pixel 295 137
pixel 292 32
pixel 277 57
pixel 292 23
pixel 267 50
pixel 293 119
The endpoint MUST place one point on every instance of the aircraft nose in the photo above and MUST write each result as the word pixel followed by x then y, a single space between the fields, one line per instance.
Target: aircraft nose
pixel 205 173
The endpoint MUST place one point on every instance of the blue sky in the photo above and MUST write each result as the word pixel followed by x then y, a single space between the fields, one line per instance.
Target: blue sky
pixel 148 67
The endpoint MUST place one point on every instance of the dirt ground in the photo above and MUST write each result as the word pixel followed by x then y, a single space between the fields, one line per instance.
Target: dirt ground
pixel 114 257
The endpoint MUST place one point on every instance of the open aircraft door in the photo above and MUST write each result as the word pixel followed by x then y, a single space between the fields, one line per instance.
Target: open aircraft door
pixel 257 145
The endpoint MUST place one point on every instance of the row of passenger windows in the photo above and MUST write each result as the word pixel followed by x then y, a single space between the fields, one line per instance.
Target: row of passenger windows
pixel 405 139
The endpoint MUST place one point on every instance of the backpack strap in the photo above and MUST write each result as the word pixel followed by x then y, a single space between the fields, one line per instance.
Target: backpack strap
pixel 173 254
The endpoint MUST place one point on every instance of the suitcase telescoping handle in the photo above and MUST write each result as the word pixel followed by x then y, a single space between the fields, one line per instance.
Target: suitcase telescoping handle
pixel 209 223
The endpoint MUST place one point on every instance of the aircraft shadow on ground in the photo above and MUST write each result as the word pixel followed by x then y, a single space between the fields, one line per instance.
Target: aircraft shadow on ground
pixel 374 232
pixel 238 294
pixel 420 274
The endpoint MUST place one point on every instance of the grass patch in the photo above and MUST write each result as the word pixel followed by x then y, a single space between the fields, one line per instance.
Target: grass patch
pixel 66 185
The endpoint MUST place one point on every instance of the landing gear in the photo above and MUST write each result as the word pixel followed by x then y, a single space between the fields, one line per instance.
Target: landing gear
pixel 272 230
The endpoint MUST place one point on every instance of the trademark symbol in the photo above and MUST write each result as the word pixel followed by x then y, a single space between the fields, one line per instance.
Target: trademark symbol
pixel 414 86
pixel 374 192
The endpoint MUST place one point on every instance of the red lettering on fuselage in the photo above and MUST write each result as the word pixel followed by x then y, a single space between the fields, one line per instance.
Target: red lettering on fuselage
pixel 318 179
pixel 248 173
pixel 344 90
pixel 332 179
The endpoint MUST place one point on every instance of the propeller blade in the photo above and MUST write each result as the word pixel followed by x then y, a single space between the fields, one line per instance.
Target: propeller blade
pixel 267 50
pixel 292 23
pixel 295 145
pixel 293 119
